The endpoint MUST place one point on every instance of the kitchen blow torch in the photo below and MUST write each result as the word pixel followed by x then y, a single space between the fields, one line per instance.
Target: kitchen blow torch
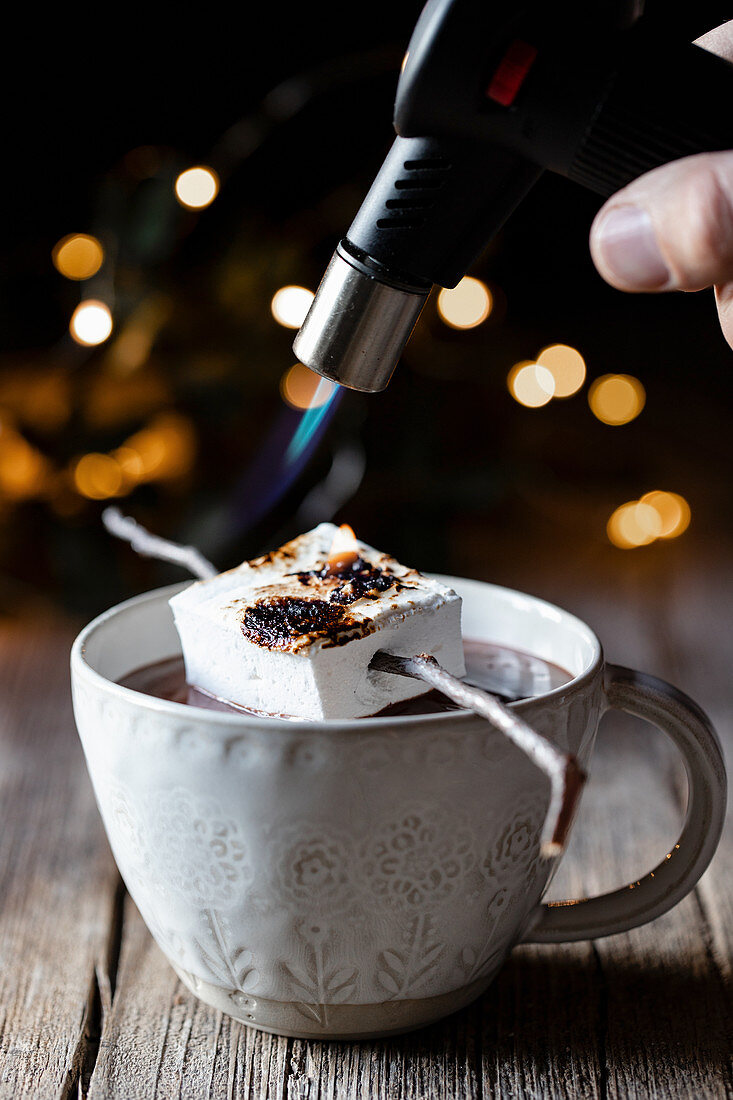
pixel 490 95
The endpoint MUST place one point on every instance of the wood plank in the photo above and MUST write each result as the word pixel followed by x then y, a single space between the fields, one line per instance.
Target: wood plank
pixel 541 1022
pixel 57 877
pixel 439 1061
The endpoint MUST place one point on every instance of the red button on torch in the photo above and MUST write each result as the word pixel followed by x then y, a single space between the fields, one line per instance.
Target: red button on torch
pixel 510 74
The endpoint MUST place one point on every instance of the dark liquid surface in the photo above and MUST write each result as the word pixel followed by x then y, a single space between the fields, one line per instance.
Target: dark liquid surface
pixel 505 672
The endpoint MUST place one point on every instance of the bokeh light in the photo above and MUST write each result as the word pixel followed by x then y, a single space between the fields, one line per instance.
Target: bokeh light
pixel 109 400
pixel 466 305
pixel 616 398
pixel 567 367
pixel 131 464
pixel 302 389
pixel 91 323
pixel 149 447
pixel 78 256
pixel 40 399
pixel 98 476
pixel 23 469
pixel 634 524
pixel 135 339
pixel 165 450
pixel 197 187
pixel 290 304
pixel 531 384
pixel 673 511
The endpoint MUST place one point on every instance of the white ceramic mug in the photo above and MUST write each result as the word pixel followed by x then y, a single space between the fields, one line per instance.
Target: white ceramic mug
pixel 357 878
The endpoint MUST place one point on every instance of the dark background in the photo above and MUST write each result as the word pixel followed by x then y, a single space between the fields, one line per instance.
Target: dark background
pixel 444 469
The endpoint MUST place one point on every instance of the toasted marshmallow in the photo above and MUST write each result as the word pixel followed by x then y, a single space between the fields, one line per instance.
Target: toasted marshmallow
pixel 292 635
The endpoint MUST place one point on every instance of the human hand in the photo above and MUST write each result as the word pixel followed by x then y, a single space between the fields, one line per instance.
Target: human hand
pixel 672 229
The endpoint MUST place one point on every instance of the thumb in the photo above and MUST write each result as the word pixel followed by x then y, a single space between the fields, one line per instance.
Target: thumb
pixel 671 229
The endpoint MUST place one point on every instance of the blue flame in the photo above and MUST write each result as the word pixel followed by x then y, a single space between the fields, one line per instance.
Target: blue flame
pixel 324 397
pixel 283 456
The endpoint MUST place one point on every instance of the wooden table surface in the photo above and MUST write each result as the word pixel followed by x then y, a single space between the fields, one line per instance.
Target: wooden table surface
pixel 89 1006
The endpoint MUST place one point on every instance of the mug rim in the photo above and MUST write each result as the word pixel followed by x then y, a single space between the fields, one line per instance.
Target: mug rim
pixel 229 721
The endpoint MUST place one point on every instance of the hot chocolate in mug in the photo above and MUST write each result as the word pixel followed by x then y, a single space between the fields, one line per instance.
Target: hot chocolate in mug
pixel 364 877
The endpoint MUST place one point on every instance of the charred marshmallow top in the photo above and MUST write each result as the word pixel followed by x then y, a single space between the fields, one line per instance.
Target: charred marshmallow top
pixel 291 634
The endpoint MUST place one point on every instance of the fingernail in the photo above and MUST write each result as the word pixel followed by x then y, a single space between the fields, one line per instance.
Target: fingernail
pixel 628 245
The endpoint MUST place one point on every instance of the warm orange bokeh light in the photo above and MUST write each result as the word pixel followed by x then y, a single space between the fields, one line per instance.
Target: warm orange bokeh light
pixel 616 398
pixel 98 476
pixel 290 304
pixel 466 305
pixel 135 339
pixel 634 524
pixel 567 367
pixel 673 511
pixel 302 389
pixel 163 451
pixel 78 256
pixel 131 464
pixel 530 384
pixel 39 398
pixel 23 469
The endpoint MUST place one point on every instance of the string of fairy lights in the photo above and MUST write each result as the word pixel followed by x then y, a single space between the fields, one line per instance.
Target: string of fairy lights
pixel 166 447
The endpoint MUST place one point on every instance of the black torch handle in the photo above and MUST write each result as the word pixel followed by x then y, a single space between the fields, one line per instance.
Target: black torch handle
pixel 663 103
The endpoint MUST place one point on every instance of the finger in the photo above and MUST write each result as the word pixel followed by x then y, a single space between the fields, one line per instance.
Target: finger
pixel 719 40
pixel 670 229
pixel 724 302
pixel 673 227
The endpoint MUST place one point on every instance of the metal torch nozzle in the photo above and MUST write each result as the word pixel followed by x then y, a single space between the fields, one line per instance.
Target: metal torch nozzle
pixel 358 324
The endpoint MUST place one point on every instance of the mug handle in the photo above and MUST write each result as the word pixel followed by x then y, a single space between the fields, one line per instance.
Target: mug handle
pixel 646 898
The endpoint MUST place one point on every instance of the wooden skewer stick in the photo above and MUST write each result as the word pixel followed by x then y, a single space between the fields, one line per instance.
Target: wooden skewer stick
pixel 153 546
pixel 565 774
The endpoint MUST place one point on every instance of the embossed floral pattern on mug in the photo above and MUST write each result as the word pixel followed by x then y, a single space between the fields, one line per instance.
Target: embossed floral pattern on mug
pixel 516 848
pixel 197 851
pixel 323 890
pixel 420 859
pixel 312 867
